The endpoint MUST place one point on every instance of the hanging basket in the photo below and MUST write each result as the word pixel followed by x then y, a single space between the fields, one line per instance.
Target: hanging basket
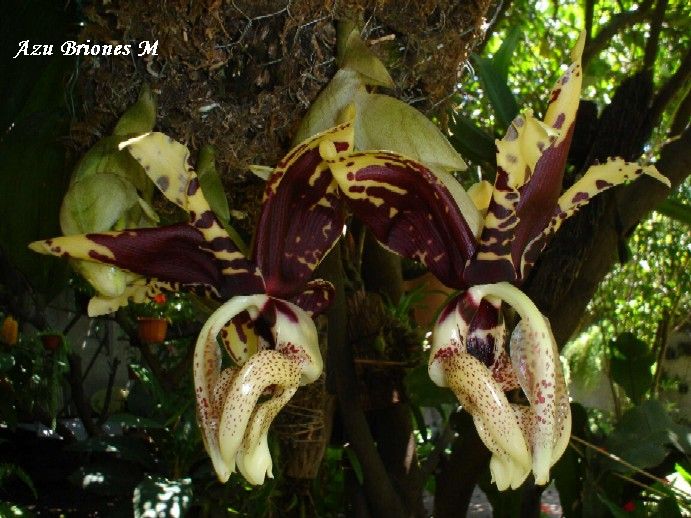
pixel 152 330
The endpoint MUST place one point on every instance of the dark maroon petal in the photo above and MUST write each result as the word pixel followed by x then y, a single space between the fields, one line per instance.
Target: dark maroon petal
pixel 523 215
pixel 539 198
pixel 316 297
pixel 178 253
pixel 408 210
pixel 302 218
pixel 484 333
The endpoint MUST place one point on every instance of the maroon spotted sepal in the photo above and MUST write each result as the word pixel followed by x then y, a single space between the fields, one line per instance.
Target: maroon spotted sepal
pixel 407 209
pixel 302 215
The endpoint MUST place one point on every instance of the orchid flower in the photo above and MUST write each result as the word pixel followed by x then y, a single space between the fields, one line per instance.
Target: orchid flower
pixel 273 342
pixel 412 213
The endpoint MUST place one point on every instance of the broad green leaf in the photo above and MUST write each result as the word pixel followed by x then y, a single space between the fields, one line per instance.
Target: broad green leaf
pixel 503 56
pixel 12 470
pixel 355 463
pixel 644 436
pixel 34 176
pixel 497 90
pixel 134 421
pixel 630 366
pixel 159 496
pixel 95 203
pixel 326 108
pixel 386 123
pixel 105 157
pixel 212 187
pixel 359 57
pixel 140 117
pixel 472 142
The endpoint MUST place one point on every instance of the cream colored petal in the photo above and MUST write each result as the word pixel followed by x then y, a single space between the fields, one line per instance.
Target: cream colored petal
pixel 448 339
pixel 296 338
pixel 253 457
pixel 206 370
pixel 494 418
pixel 536 362
pixel 263 370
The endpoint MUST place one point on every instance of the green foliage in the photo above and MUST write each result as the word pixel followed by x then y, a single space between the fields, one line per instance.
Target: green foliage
pixel 493 77
pixel 630 365
pixel 644 436
pixel 162 496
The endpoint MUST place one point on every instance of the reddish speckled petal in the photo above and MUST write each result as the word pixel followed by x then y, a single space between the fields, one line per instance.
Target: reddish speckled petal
pixel 263 370
pixel 206 369
pixel 494 418
pixel 302 214
pixel 254 458
pixel 548 419
pixel 407 208
pixel 296 338
pixel 536 363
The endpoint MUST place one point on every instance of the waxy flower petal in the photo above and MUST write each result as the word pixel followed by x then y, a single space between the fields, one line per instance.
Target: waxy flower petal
pixel 406 207
pixel 469 329
pixel 302 214
pixel 233 425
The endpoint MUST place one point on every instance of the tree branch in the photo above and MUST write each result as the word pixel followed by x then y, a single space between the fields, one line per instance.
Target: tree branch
pixel 588 13
pixel 653 41
pixel 673 85
pixel 618 23
pixel 381 497
pixel 587 244
pixel 681 118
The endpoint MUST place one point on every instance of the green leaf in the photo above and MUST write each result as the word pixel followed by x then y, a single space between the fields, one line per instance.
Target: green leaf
pixel 140 117
pixel 162 497
pixel 326 108
pixel 644 436
pixel 389 124
pixel 211 184
pixel 472 142
pixel 34 178
pixel 95 203
pixel 497 90
pixel 355 463
pixel 359 57
pixel 503 56
pixel 630 365
pixel 676 210
pixel 12 470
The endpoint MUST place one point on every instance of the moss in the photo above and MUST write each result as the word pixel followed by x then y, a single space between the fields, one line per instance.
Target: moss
pixel 240 74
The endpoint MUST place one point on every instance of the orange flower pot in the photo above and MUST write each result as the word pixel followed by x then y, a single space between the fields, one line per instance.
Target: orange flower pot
pixel 152 330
